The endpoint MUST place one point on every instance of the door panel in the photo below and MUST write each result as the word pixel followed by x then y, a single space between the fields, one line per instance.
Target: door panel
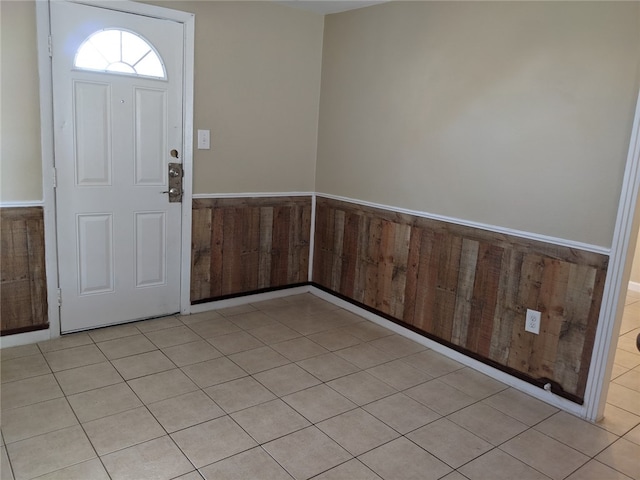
pixel 118 235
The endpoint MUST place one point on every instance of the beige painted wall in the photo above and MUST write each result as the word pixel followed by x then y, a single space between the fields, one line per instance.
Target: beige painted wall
pixel 516 114
pixel 20 158
pixel 257 88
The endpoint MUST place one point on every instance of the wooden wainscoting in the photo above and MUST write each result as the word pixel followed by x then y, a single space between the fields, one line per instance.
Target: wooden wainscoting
pixel 242 245
pixel 23 283
pixel 467 288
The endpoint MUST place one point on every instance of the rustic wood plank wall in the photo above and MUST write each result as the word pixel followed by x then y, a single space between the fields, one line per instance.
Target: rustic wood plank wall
pixel 467 288
pixel 243 245
pixel 23 284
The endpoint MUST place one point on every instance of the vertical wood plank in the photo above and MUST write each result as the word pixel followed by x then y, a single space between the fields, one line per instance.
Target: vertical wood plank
pixel 338 239
pixel 200 253
pixel 466 279
pixel 266 235
pixel 350 254
pixel 217 243
pixel 279 260
pixel 399 277
pixel 413 263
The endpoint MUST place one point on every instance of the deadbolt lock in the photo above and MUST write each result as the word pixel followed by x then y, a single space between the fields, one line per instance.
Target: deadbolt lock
pixel 175 182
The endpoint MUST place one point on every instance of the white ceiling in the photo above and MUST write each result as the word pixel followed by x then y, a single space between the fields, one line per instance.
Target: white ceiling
pixel 325 7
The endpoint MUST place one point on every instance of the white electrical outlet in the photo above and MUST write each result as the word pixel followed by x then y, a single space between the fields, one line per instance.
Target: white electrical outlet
pixel 532 321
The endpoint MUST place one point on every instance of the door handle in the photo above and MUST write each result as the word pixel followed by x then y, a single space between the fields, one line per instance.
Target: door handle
pixel 172 191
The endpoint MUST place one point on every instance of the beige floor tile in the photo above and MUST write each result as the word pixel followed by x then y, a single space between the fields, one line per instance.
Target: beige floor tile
pixel 214 327
pixel 111 333
pixel 633 435
pixel 238 310
pixel 235 342
pixel 319 403
pixel 168 337
pixel 190 476
pixel 47 453
pixel 630 379
pixel 272 303
pixel 306 453
pixel 299 348
pixel 74 357
pixel 351 470
pixel 618 421
pixel 579 434
pixel 252 464
pixel 23 367
pixel 126 346
pixel 364 356
pixel 440 397
pixel 521 406
pixel 199 317
pixel 402 459
pixel 163 461
pixel 29 391
pixel 627 359
pixel 25 422
pixel 213 372
pixel 89 470
pixel 274 333
pixel 334 340
pixel 163 385
pixel 185 411
pixel 545 454
pixel 122 430
pixel 401 413
pixel 103 402
pixel 497 465
pixel 239 394
pixel 65 341
pixel 623 456
pixel 5 467
pixel 259 359
pixel 328 367
pixel 143 364
pixel 433 363
pixel 399 375
pixel 190 353
pixel 357 431
pixel 310 324
pixel 397 346
pixel 271 420
pixel 454 476
pixel 366 331
pixel 251 320
pixel 158 324
pixel 21 351
pixel 473 383
pixel 81 379
pixel 450 443
pixel 594 470
pixel 627 342
pixel 361 388
pixel 624 398
pixel 212 441
pixel 488 423
pixel 618 370
pixel 286 379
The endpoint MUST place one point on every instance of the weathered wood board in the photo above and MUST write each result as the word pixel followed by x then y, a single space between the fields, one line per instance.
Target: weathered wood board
pixel 242 245
pixel 23 283
pixel 466 287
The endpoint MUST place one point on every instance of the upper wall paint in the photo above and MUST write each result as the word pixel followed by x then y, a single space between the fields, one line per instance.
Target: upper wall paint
pixel 516 114
pixel 257 88
pixel 20 157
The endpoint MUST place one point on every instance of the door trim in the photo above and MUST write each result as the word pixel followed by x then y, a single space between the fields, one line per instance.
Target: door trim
pixel 43 28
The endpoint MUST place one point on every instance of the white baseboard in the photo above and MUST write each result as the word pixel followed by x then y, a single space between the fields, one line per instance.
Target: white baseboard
pixel 258 297
pixel 24 338
pixel 634 286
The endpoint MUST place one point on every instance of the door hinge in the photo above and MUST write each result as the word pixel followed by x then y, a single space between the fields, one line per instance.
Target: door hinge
pixel 50 46
pixel 55 177
pixel 59 297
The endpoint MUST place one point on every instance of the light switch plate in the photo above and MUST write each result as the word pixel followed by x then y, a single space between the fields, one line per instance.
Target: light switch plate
pixel 204 139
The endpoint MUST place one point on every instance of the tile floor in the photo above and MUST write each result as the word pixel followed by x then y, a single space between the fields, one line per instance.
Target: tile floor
pixel 293 387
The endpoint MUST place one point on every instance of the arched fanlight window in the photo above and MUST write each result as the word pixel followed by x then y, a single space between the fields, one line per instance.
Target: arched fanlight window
pixel 119 52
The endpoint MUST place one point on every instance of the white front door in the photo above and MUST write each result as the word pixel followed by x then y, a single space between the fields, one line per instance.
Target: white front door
pixel 117 83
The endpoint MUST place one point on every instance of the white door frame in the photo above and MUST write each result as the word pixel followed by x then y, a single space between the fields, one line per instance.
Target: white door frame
pixel 47 141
